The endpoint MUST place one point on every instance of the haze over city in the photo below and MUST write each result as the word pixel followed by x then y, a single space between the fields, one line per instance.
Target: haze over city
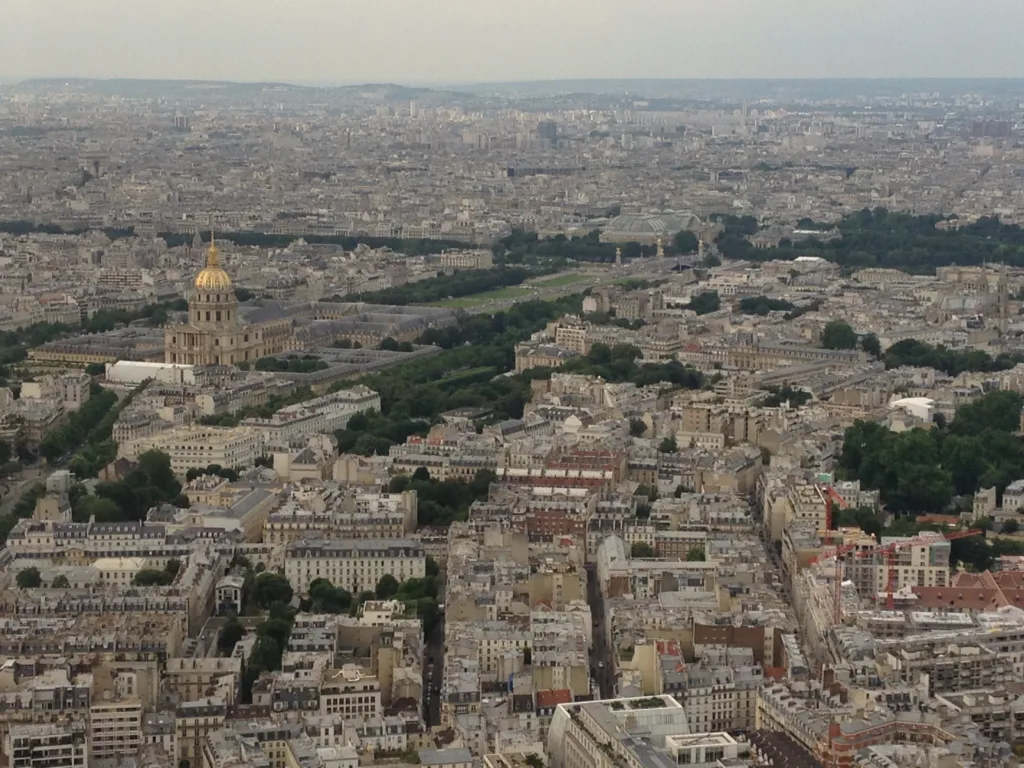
pixel 460 41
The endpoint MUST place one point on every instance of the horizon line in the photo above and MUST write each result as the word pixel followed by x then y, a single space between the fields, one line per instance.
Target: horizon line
pixel 443 84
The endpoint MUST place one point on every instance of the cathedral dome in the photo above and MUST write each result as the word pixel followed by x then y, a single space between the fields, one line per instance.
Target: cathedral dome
pixel 213 278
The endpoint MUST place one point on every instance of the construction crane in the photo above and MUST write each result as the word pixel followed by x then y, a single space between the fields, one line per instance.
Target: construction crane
pixel 889 552
pixel 837 579
pixel 831 499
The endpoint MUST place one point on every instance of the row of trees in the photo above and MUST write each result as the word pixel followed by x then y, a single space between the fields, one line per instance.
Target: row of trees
pixel 79 426
pixel 462 283
pixel 704 303
pixel 155 315
pixel 291 364
pixel 408 246
pixel 839 334
pixel 419 595
pixel 762 305
pixel 621 364
pixel 521 247
pixel 151 483
pixel 153 577
pixel 951 361
pixel 920 471
pixel 883 238
pixel 99 449
pixel 273 405
pixel 785 394
pixel 440 502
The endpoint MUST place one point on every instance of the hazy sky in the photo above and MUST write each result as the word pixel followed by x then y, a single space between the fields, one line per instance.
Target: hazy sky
pixel 433 41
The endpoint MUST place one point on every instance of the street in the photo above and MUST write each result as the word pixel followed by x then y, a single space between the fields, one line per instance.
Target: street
pixel 601 668
pixel 433 672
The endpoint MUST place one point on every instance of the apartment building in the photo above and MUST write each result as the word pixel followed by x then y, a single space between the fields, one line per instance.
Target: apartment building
pixel 55 745
pixel 317 512
pixel 352 564
pixel 74 390
pixel 321 415
pixel 477 259
pixel 921 565
pixel 350 694
pixel 947 669
pixel 196 678
pixel 538 355
pixel 198 446
pixel 115 731
pixel 596 734
pixel 193 722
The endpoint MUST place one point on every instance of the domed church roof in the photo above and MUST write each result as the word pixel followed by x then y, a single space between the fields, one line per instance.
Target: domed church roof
pixel 213 278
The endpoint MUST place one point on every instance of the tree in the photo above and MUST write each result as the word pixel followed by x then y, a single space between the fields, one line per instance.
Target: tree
pixel 387 587
pixel 324 597
pixel 388 344
pixel 870 344
pixel 61 582
pixel 229 635
pixel 641 549
pixel 710 260
pixel 172 567
pixel 156 466
pixel 29 578
pixel 685 242
pixel 838 334
pixel 695 555
pixel 148 577
pixel 668 445
pixel 1010 526
pixel 421 474
pixel 704 303
pixel 650 491
pixel 431 568
pixel 269 588
pixel 6 452
pixel 637 427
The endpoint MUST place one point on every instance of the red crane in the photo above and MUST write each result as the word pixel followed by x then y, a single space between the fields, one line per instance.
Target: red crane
pixel 889 552
pixel 831 497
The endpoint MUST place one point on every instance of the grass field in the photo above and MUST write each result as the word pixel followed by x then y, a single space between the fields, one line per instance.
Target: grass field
pixel 559 280
pixel 465 302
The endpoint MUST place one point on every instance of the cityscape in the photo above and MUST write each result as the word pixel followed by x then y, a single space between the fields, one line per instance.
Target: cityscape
pixel 579 422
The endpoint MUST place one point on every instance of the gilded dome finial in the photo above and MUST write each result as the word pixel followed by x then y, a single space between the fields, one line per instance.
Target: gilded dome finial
pixel 213 277
pixel 212 255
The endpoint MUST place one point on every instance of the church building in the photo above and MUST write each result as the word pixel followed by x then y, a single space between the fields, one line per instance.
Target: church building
pixel 216 334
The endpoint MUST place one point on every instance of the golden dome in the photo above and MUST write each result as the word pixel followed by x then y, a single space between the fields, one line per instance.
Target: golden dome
pixel 212 278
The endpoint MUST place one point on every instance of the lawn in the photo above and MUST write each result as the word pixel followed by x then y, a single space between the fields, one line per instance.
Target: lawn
pixel 559 280
pixel 465 302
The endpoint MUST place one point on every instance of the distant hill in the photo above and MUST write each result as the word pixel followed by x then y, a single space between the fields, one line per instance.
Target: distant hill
pixel 214 90
pixel 539 94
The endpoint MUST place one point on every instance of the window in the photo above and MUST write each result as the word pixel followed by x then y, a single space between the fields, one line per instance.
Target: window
pixel 218 315
pixel 207 315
